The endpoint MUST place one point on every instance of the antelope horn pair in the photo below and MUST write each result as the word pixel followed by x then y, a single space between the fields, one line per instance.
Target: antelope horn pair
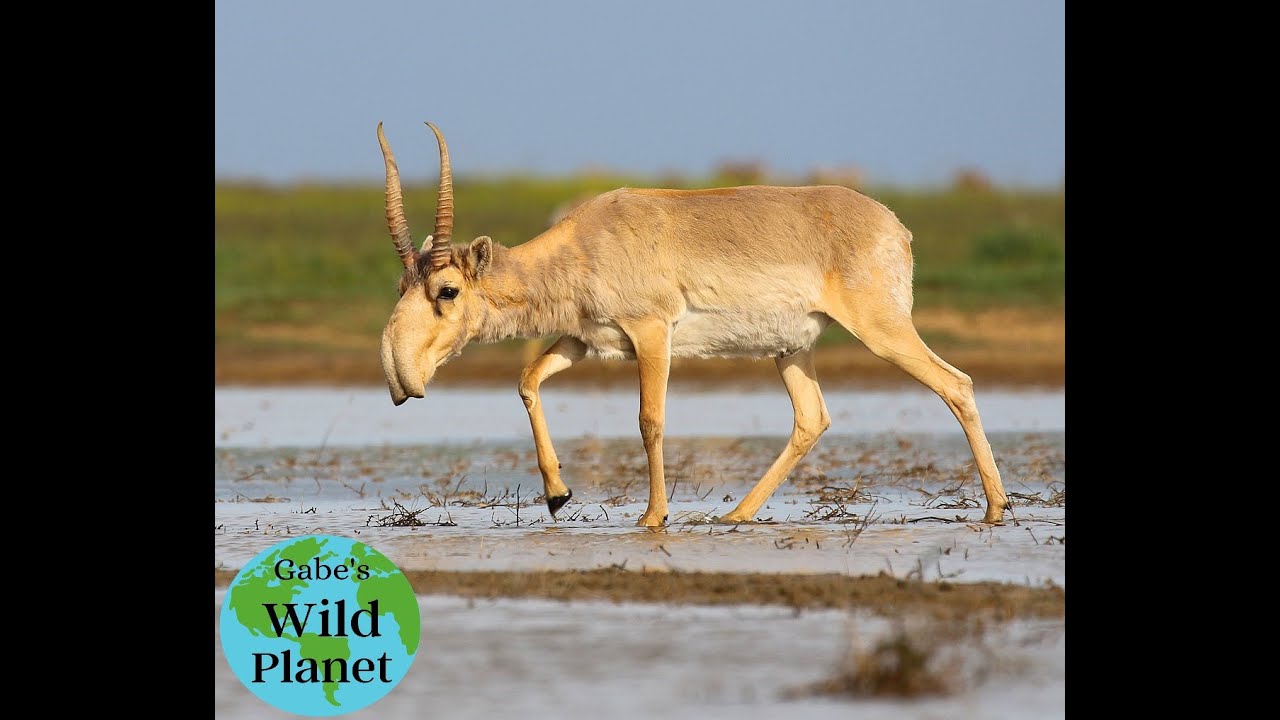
pixel 438 256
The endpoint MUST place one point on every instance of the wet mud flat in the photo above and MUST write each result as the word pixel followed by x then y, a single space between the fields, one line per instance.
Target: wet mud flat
pixel 881 594
pixel 906 505
pixel 869 586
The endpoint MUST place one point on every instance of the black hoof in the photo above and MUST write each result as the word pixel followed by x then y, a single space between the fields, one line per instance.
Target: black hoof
pixel 555 503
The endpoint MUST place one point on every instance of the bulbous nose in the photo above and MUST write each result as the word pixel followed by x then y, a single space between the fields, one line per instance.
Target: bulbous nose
pixel 408 361
pixel 401 391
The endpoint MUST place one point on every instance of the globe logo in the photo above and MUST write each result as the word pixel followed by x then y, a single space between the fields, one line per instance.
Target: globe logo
pixel 320 625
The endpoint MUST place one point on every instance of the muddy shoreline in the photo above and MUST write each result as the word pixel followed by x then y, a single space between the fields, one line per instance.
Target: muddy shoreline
pixel 997 348
pixel 843 367
pixel 881 594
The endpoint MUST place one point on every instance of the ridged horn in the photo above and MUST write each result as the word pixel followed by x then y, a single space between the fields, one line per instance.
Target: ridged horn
pixel 396 224
pixel 444 206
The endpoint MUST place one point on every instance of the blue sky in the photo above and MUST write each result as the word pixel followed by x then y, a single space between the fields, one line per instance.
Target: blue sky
pixel 907 91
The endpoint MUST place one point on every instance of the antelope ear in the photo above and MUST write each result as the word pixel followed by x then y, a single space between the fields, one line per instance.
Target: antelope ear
pixel 480 255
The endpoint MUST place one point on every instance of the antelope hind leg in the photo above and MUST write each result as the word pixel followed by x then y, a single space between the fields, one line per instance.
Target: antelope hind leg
pixel 811 420
pixel 899 343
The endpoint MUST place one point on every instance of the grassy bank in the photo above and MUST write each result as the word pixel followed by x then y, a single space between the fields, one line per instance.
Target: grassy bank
pixel 305 274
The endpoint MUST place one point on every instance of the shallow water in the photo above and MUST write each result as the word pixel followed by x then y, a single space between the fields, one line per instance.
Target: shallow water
pixel 536 658
pixel 305 417
pixel 890 488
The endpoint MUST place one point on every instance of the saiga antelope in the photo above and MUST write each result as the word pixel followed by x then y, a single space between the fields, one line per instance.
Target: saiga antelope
pixel 649 275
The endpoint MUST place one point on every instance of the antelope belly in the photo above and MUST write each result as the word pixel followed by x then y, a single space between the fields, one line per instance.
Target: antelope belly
pixel 606 340
pixel 754 335
pixel 704 334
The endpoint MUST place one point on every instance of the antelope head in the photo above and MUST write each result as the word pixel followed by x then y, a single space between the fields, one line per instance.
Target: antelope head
pixel 441 304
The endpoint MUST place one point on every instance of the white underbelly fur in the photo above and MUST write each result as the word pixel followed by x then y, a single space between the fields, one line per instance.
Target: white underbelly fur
pixel 706 334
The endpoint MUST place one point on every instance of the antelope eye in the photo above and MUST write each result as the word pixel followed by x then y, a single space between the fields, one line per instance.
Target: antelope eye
pixel 448 293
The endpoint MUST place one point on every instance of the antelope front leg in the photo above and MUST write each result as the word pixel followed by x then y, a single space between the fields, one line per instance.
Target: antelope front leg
pixel 563 353
pixel 811 420
pixel 652 341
